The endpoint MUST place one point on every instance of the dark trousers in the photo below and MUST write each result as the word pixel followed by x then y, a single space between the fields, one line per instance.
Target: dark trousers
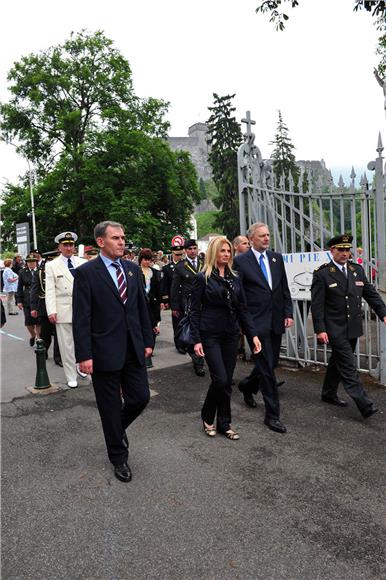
pixel 342 367
pixel 220 355
pixel 175 322
pixel 263 375
pixel 129 383
pixel 198 361
pixel 47 330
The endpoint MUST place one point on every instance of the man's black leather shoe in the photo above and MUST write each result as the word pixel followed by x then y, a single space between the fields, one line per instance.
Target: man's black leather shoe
pixel 123 472
pixel 58 362
pixel 248 397
pixel 181 351
pixel 200 371
pixel 275 425
pixel 369 412
pixel 249 400
pixel 334 401
pixel 242 384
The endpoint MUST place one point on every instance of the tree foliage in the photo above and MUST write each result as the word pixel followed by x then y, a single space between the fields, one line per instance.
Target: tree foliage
pixel 98 149
pixel 284 159
pixel 224 139
pixel 275 9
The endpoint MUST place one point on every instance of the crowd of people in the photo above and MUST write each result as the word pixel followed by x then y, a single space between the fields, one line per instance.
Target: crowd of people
pixel 103 312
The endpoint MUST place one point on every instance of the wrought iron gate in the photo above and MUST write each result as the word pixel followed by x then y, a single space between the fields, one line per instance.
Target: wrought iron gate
pixel 302 221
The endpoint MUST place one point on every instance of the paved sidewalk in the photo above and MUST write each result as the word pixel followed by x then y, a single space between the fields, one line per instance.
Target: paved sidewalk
pixel 19 359
pixel 306 505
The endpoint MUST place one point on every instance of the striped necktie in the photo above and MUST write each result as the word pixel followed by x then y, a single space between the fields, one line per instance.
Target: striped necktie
pixel 122 287
pixel 70 266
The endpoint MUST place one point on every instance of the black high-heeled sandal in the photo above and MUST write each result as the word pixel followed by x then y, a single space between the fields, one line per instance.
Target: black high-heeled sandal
pixel 210 430
pixel 231 434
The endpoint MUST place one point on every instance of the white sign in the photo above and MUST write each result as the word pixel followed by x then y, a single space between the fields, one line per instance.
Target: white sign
pixel 299 269
pixel 22 238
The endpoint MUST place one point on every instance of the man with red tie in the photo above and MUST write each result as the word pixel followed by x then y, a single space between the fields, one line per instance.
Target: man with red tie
pixel 113 335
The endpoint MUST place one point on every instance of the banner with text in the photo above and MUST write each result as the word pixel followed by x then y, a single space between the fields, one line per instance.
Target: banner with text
pixel 299 269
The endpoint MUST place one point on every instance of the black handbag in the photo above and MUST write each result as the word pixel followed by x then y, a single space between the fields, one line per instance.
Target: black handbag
pixel 183 335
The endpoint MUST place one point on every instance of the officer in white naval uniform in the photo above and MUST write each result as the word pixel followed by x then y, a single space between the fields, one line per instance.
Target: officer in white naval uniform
pixel 59 286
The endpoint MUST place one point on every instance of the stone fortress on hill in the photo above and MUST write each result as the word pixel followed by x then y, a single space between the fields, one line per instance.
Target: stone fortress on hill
pixel 196 144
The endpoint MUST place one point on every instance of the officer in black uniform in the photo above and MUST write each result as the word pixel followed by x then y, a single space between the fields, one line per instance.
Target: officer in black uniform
pixel 166 283
pixel 38 306
pixel 181 288
pixel 23 295
pixel 336 304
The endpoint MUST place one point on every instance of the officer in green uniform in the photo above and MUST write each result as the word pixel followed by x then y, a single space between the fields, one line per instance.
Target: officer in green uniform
pixel 337 291
pixel 181 288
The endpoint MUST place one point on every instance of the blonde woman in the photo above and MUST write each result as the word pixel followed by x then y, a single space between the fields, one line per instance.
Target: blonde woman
pixel 218 310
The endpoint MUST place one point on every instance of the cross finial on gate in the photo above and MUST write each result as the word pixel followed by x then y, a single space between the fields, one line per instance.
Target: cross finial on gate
pixel 249 123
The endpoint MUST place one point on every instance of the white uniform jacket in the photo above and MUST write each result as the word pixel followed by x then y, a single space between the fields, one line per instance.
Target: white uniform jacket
pixel 59 286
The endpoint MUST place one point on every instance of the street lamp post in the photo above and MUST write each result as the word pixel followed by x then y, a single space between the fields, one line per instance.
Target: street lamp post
pixel 31 190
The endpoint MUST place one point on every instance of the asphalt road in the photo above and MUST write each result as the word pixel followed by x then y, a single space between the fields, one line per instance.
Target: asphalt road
pixel 305 505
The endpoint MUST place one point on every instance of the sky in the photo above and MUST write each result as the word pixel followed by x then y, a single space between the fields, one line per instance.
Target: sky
pixel 318 72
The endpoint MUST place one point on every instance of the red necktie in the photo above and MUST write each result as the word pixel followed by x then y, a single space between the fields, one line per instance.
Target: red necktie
pixel 122 287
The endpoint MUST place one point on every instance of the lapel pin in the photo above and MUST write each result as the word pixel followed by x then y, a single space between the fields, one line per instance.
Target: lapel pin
pixel 273 259
pixel 354 274
pixel 130 273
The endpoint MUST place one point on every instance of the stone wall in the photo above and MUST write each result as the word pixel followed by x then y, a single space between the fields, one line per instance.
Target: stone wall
pixel 197 146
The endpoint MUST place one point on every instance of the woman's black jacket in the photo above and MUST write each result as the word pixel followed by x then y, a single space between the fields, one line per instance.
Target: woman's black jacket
pixel 216 308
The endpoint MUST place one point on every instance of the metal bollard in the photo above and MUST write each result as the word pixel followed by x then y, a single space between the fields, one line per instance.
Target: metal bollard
pixel 42 381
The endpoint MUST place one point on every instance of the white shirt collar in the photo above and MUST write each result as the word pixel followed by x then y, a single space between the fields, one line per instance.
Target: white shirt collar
pixel 340 266
pixel 258 254
pixel 65 260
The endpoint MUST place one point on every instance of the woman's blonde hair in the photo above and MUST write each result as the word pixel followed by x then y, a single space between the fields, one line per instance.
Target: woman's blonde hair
pixel 211 255
pixel 7 262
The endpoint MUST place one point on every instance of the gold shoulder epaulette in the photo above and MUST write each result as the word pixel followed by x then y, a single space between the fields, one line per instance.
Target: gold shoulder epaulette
pixel 321 266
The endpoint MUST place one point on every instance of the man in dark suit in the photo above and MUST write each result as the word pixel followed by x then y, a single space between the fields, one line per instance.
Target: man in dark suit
pixel 112 336
pixel 338 288
pixel 181 289
pixel 269 302
pixel 166 284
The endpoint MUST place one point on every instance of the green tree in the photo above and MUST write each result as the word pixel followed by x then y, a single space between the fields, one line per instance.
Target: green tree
pixel 63 94
pixel 98 149
pixel 377 8
pixel 206 223
pixel 284 160
pixel 128 177
pixel 224 139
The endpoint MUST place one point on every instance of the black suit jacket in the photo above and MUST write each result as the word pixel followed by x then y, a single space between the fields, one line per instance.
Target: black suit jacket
pixel 336 301
pixel 102 323
pixel 24 287
pixel 182 282
pixel 268 307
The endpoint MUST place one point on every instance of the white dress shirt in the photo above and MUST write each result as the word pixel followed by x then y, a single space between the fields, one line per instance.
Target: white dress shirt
pixel 266 263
